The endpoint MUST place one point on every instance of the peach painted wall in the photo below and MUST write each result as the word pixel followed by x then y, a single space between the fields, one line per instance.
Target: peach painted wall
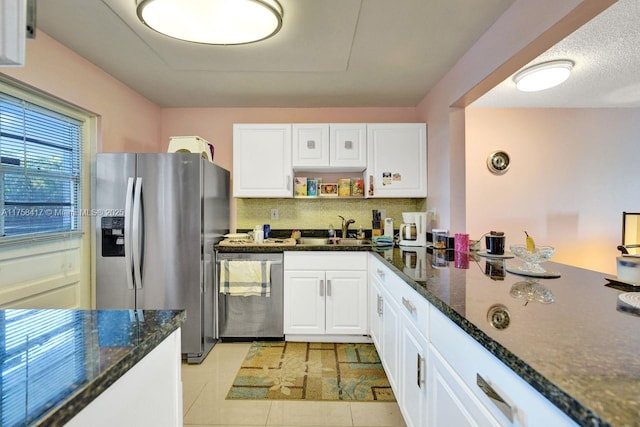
pixel 573 172
pixel 127 120
pixel 521 24
pixel 216 124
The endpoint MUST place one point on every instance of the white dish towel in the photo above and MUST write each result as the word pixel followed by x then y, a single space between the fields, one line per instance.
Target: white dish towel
pixel 245 278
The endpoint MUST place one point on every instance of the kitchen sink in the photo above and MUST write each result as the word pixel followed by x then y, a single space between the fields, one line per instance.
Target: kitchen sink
pixel 314 241
pixel 321 241
pixel 353 242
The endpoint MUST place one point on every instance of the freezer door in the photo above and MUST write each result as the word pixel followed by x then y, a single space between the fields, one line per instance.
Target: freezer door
pixel 171 239
pixel 216 224
pixel 114 290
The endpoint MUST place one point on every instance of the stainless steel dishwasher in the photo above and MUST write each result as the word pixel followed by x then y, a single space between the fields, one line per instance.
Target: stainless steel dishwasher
pixel 250 317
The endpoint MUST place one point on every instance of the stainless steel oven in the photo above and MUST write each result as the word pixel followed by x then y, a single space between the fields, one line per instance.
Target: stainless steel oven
pixel 249 317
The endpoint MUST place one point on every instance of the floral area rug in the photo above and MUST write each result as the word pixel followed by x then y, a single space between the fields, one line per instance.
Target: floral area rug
pixel 311 371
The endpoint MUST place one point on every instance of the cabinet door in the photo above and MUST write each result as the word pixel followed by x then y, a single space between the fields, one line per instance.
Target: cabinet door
pixel 348 146
pixel 413 367
pixel 397 159
pixel 390 340
pixel 262 160
pixel 346 302
pixel 450 402
pixel 304 300
pixel 310 145
pixel 375 313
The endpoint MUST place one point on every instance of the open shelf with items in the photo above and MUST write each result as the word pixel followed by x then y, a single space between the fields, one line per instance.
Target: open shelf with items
pixel 312 185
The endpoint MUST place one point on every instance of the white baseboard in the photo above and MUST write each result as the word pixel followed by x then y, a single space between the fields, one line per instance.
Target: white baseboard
pixel 328 338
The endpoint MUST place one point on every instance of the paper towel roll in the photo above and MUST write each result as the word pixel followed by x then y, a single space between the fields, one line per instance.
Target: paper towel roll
pixel 191 144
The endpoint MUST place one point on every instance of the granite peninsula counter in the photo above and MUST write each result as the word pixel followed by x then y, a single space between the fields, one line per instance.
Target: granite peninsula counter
pixel 579 351
pixel 54 363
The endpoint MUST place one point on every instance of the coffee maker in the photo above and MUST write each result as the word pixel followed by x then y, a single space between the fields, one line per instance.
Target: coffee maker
pixel 413 230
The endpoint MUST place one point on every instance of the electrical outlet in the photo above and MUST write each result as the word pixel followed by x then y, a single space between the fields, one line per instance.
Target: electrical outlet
pixel 274 213
pixel 432 214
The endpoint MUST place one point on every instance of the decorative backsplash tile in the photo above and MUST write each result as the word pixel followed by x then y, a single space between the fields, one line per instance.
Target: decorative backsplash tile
pixel 320 213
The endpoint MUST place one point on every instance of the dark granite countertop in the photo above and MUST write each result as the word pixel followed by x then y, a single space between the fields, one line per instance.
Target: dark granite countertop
pixel 71 357
pixel 578 351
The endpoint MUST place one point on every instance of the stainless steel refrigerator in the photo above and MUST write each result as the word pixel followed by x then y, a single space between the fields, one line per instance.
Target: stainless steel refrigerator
pixel 161 214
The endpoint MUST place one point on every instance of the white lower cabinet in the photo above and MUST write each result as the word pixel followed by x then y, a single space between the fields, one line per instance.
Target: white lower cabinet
pixel 504 394
pixel 375 313
pixel 325 293
pixel 450 402
pixel 413 375
pixel 440 375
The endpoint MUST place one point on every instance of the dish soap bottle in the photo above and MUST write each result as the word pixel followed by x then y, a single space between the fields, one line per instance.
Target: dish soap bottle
pixel 332 232
pixel 360 234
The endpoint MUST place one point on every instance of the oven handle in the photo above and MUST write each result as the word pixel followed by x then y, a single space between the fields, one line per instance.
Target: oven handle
pixel 232 259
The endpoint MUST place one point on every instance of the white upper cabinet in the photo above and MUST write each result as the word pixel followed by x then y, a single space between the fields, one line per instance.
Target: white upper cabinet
pixel 348 146
pixel 339 147
pixel 262 160
pixel 310 146
pixel 397 160
pixel 13 24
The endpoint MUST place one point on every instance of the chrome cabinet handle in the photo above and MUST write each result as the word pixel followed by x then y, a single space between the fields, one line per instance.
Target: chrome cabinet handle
pixel 380 273
pixel 348 145
pixel 321 288
pixel 379 305
pixel 408 305
pixel 497 400
pixel 419 370
pixel 311 144
pixel 328 288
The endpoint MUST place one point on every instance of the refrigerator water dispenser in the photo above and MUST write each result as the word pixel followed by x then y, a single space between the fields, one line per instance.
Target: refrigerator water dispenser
pixel 112 236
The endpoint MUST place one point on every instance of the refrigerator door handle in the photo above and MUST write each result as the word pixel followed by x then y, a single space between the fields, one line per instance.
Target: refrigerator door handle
pixel 127 234
pixel 137 245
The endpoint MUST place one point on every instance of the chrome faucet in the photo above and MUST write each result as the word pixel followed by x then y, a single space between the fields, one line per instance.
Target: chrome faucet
pixel 345 226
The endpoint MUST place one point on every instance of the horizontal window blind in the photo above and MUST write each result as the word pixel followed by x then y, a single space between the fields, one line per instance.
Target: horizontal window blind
pixel 40 168
pixel 42 357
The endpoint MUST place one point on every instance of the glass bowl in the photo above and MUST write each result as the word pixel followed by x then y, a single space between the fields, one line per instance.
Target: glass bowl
pixel 532 260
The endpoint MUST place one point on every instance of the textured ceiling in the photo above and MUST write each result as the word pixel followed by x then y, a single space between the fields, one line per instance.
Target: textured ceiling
pixel 329 53
pixel 606 52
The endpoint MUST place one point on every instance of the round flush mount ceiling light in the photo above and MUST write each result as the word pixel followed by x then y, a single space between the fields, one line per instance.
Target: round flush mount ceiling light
pixel 543 76
pixel 220 22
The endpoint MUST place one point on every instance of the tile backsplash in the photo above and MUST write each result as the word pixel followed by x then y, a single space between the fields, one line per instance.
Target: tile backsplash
pixel 320 213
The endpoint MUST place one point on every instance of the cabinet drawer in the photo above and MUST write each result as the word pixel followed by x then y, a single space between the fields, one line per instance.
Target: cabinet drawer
pixel 325 260
pixel 480 370
pixel 411 303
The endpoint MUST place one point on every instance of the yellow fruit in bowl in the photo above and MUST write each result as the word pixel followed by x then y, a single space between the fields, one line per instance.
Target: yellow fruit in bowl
pixel 531 245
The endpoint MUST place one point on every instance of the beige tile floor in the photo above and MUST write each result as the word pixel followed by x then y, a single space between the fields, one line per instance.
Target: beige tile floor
pixel 205 387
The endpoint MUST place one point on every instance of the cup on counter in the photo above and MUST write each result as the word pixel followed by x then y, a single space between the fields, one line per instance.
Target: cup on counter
pixel 258 234
pixel 440 238
pixel 495 243
pixel 461 242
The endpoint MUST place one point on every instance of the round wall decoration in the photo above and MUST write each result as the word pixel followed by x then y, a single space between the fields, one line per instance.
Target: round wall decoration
pixel 498 162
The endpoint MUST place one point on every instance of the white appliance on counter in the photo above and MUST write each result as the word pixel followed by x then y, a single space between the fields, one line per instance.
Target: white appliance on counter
pixel 413 231
pixel 155 249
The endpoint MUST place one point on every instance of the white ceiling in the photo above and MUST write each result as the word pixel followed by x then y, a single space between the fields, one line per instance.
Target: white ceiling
pixel 329 53
pixel 606 52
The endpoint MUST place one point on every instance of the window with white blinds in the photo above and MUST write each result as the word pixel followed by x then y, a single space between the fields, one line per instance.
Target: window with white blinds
pixel 40 168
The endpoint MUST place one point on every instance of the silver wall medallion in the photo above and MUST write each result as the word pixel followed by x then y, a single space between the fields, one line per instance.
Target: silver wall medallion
pixel 498 162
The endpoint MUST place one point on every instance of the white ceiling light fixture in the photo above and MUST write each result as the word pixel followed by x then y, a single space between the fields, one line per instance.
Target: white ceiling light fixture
pixel 220 22
pixel 543 76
